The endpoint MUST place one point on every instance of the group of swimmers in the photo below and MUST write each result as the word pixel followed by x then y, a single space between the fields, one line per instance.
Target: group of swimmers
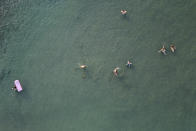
pixel 129 64
pixel 115 71
pixel 163 49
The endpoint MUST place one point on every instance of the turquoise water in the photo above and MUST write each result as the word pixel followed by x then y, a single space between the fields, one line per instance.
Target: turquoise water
pixel 44 42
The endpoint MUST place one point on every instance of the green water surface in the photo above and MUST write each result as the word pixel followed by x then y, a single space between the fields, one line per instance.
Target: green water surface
pixel 43 42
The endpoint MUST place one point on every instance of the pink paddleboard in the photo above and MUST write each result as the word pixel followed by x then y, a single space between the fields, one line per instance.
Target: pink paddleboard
pixel 18 85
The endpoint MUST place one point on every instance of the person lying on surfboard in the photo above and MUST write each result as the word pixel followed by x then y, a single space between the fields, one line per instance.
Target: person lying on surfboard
pixel 172 48
pixel 163 50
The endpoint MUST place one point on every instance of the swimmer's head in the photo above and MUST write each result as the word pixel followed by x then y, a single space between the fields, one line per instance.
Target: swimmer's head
pixel 83 66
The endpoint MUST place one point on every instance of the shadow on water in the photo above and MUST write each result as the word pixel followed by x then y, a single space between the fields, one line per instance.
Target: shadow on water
pixel 125 17
pixel 84 73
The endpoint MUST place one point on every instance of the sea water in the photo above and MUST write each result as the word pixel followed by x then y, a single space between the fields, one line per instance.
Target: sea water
pixel 43 43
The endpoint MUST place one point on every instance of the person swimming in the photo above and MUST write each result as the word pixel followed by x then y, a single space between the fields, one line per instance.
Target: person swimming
pixel 115 71
pixel 14 88
pixel 83 66
pixel 123 12
pixel 172 48
pixel 163 50
pixel 129 64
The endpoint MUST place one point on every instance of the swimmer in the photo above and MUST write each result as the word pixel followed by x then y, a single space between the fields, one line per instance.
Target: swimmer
pixel 83 66
pixel 123 12
pixel 14 88
pixel 115 71
pixel 172 48
pixel 129 64
pixel 163 50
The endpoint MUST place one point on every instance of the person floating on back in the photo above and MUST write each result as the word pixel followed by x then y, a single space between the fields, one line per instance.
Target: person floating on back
pixel 163 50
pixel 123 12
pixel 129 64
pixel 172 48
pixel 115 71
pixel 83 66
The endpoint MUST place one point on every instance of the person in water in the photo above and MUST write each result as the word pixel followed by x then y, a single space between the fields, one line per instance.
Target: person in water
pixel 163 50
pixel 172 48
pixel 14 88
pixel 129 64
pixel 115 71
pixel 83 66
pixel 123 12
